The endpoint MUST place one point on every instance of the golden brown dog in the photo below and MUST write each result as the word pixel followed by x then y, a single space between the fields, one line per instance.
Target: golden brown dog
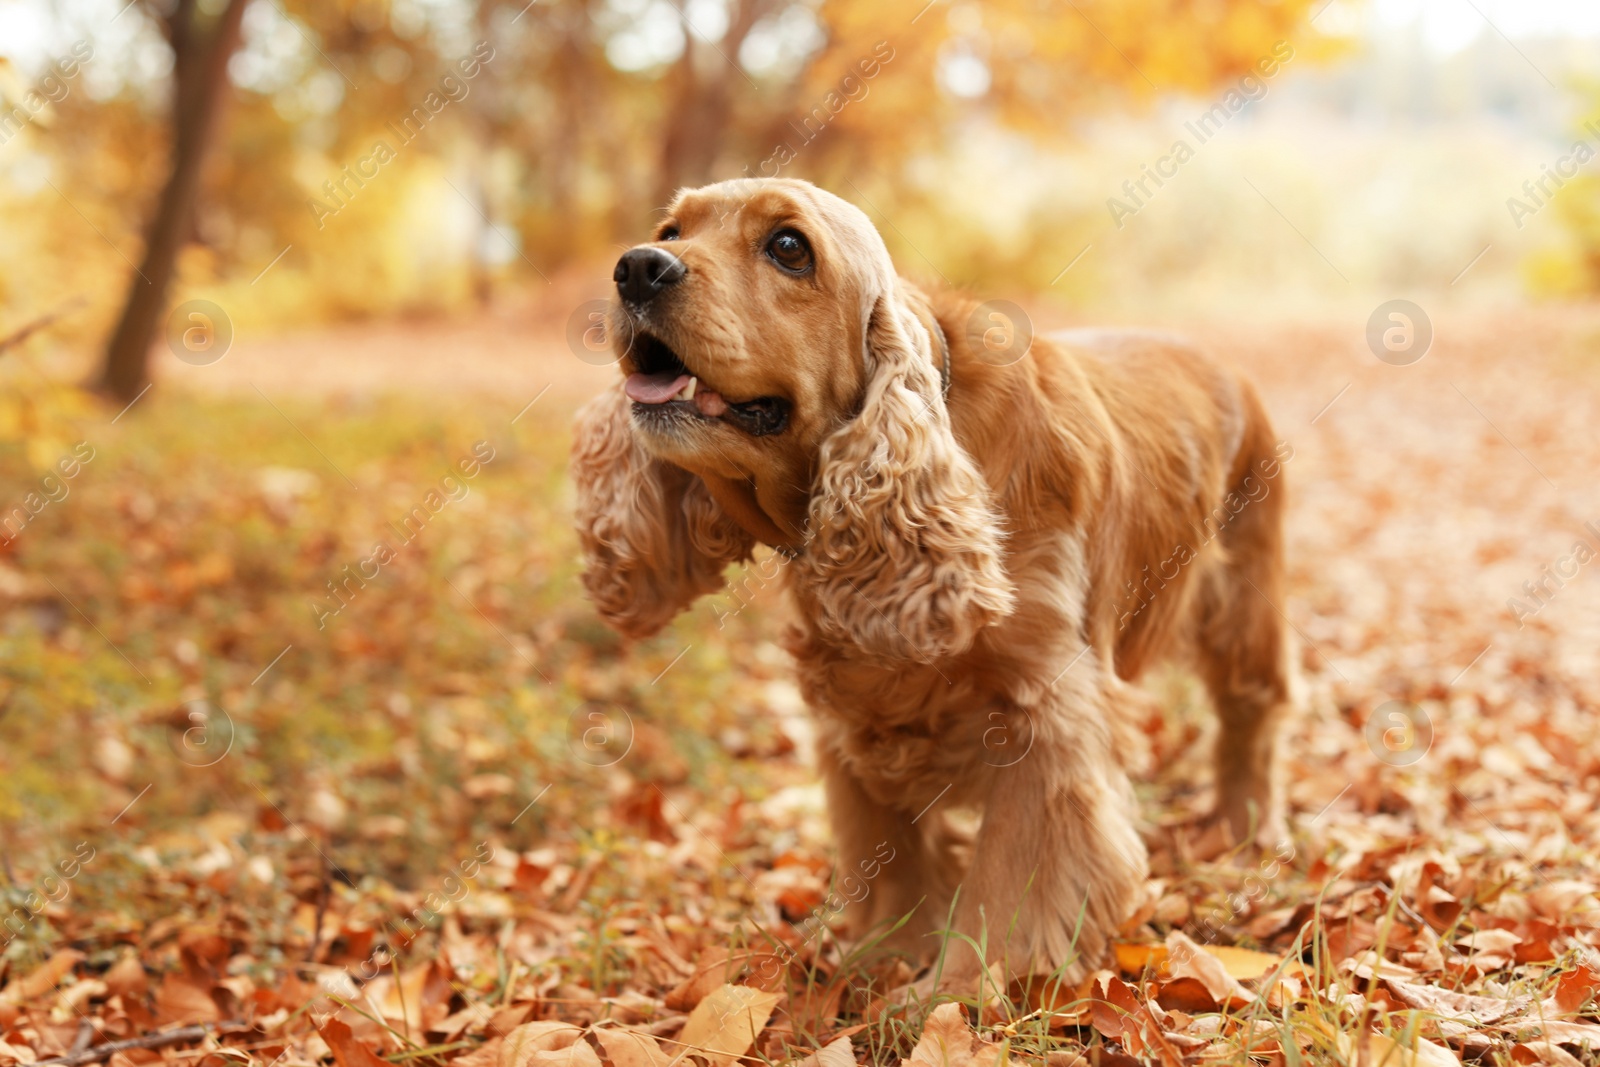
pixel 983 552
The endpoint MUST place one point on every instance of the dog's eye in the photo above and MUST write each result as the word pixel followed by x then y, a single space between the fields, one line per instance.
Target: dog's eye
pixel 789 250
pixel 669 234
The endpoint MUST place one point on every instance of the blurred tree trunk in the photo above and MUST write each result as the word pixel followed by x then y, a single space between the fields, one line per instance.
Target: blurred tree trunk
pixel 200 68
pixel 702 102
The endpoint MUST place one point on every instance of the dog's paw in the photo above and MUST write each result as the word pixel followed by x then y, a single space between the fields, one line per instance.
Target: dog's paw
pixel 1251 814
pixel 1211 837
pixel 971 985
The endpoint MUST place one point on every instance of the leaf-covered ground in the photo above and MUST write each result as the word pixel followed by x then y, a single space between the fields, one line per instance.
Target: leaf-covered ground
pixel 340 804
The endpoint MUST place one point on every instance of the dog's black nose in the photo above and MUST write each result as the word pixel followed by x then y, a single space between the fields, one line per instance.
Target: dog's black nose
pixel 643 272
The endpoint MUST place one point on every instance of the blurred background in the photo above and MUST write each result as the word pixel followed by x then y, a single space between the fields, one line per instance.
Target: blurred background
pixel 275 274
pixel 1390 134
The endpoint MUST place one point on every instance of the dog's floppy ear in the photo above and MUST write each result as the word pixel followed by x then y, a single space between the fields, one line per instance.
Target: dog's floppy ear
pixel 652 536
pixel 902 553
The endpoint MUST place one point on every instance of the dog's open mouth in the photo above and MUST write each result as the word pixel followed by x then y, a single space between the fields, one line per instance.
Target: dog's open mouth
pixel 663 387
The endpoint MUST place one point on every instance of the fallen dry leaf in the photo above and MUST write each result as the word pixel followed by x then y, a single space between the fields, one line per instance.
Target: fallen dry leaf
pixel 179 1000
pixel 727 1022
pixel 1575 990
pixel 1187 995
pixel 1383 1051
pixel 836 1053
pixel 1562 1032
pixel 1490 950
pixel 1446 1004
pixel 418 1000
pixel 1543 1052
pixel 347 1051
pixel 485 1055
pixel 1117 1013
pixel 16 1053
pixel 630 1048
pixel 127 977
pixel 1563 899
pixel 1240 964
pixel 711 969
pixel 947 1041
pixel 1185 959
pixel 1243 964
pixel 44 979
pixel 547 1044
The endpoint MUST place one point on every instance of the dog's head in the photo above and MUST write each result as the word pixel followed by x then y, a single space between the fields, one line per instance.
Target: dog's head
pixel 770 348
pixel 742 329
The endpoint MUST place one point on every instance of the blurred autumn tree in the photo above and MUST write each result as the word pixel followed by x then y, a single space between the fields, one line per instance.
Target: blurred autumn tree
pixel 201 47
pixel 1581 212
pixel 579 120
pixel 1576 269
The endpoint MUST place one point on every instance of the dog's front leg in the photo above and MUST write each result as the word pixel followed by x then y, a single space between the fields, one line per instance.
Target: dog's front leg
pixel 1058 863
pixel 889 875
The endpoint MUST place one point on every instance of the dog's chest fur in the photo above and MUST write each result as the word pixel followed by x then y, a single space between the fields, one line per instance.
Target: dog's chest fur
pixel 914 732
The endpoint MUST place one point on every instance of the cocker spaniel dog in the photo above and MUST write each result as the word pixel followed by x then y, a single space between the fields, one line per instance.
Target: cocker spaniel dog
pixel 983 553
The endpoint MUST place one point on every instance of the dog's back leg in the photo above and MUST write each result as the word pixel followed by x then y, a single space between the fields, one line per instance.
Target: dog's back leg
pixel 1245 644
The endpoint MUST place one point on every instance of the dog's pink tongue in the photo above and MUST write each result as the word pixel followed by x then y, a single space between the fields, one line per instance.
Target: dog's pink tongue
pixel 654 388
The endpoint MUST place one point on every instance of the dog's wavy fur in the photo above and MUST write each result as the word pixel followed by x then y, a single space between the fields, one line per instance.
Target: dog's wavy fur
pixel 977 579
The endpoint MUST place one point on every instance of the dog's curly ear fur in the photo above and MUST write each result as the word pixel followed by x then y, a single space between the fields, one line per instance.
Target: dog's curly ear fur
pixel 653 538
pixel 903 551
